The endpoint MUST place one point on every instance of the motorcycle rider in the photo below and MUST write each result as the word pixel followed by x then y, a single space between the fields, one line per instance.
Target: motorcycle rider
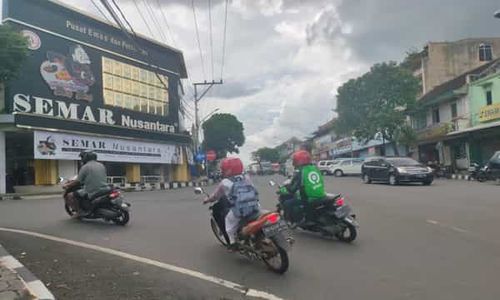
pixel 240 193
pixel 305 188
pixel 92 177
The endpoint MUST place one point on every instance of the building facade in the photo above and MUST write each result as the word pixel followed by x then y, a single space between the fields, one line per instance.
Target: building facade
pixel 443 61
pixel 87 85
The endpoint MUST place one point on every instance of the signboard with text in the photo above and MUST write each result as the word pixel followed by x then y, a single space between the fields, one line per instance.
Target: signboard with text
pixel 489 112
pixel 62 146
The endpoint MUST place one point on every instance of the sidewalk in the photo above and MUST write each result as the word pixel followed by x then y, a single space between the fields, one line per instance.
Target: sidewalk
pixel 17 282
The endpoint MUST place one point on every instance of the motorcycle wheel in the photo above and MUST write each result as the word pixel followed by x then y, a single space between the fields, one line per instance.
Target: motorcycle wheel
pixel 218 232
pixel 278 263
pixel 71 212
pixel 481 178
pixel 348 234
pixel 122 219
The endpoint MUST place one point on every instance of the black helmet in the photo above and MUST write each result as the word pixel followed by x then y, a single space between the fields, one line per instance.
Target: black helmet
pixel 87 156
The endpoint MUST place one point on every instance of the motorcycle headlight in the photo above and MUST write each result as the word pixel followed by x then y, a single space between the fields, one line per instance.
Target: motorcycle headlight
pixel 401 170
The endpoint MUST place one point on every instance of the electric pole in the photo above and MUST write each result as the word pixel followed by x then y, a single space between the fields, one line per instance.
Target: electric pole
pixel 197 99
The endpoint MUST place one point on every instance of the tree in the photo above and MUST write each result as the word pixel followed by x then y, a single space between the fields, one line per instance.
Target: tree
pixel 406 136
pixel 376 103
pixel 223 133
pixel 13 52
pixel 266 154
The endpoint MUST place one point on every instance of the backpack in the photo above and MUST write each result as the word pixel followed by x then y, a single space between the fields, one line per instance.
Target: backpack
pixel 243 197
pixel 312 183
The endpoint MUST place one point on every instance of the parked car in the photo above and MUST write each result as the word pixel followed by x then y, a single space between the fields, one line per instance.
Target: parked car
pixel 395 170
pixel 346 167
pixel 324 165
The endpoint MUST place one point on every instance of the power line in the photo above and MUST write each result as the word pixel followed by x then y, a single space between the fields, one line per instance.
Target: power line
pixel 151 13
pixel 211 36
pixel 101 12
pixel 224 43
pixel 143 18
pixel 166 22
pixel 198 38
pixel 123 16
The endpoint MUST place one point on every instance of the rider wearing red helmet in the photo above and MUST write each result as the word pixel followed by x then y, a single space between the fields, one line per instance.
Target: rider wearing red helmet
pixel 306 186
pixel 237 193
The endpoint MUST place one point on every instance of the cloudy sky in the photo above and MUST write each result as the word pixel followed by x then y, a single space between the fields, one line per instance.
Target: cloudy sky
pixel 286 58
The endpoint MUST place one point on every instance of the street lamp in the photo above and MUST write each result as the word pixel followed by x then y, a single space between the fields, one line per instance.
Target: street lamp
pixel 497 14
pixel 209 115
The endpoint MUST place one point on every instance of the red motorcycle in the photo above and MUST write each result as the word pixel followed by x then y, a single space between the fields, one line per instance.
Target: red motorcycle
pixel 263 236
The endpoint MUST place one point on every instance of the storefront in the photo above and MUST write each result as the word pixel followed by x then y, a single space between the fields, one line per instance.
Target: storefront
pixel 86 85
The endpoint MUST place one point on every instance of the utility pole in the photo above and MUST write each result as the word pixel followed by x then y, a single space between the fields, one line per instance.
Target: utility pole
pixel 197 99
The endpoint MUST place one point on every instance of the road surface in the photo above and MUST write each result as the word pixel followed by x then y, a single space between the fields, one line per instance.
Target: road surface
pixel 415 242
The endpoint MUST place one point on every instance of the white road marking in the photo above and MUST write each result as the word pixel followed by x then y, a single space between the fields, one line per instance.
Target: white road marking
pixel 219 281
pixel 455 228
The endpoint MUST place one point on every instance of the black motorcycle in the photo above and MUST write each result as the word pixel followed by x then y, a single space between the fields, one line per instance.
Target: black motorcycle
pixel 332 216
pixel 111 206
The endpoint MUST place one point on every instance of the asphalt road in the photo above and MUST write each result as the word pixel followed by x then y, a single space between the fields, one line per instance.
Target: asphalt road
pixel 415 242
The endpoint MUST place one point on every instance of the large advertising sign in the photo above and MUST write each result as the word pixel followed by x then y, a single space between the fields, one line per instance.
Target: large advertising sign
pixel 86 71
pixel 61 146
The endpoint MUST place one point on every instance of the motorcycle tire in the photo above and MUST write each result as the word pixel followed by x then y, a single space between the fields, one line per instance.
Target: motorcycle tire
pixel 481 178
pixel 69 210
pixel 351 229
pixel 122 219
pixel 219 234
pixel 284 262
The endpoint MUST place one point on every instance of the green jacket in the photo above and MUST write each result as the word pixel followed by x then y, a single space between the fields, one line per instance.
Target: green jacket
pixel 308 184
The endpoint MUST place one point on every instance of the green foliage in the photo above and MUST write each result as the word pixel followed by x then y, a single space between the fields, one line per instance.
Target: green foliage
pixel 13 52
pixel 405 135
pixel 412 61
pixel 376 102
pixel 266 154
pixel 223 133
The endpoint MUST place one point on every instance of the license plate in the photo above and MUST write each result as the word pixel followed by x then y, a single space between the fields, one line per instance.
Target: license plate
pixel 274 229
pixel 342 211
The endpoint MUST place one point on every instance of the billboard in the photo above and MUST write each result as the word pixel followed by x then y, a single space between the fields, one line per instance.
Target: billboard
pixel 62 146
pixel 85 71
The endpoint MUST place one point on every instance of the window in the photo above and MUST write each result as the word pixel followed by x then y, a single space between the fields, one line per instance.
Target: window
pixel 485 53
pixel 454 112
pixel 489 97
pixel 435 115
pixel 134 88
pixel 345 163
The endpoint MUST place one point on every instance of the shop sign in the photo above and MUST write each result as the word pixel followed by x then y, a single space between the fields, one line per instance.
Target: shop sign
pixel 342 146
pixel 489 112
pixel 24 103
pixel 61 146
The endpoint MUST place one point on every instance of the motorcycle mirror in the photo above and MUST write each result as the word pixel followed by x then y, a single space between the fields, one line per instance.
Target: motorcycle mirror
pixel 198 190
pixel 272 183
pixel 61 179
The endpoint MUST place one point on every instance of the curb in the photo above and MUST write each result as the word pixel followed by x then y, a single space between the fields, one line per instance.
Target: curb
pixel 128 187
pixel 31 283
pixel 460 177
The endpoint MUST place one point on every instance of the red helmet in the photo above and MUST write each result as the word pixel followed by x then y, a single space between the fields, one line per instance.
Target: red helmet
pixel 231 166
pixel 301 158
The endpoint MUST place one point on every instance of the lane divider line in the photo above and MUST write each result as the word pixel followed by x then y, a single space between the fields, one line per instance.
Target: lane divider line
pixel 454 228
pixel 195 274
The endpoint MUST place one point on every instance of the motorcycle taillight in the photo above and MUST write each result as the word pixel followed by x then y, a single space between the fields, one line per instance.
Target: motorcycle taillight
pixel 273 218
pixel 114 194
pixel 340 201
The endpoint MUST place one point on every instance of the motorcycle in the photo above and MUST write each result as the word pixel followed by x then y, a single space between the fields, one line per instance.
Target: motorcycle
pixel 332 217
pixel 111 205
pixel 263 236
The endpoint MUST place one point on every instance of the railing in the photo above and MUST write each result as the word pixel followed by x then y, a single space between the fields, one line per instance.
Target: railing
pixel 117 179
pixel 151 179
